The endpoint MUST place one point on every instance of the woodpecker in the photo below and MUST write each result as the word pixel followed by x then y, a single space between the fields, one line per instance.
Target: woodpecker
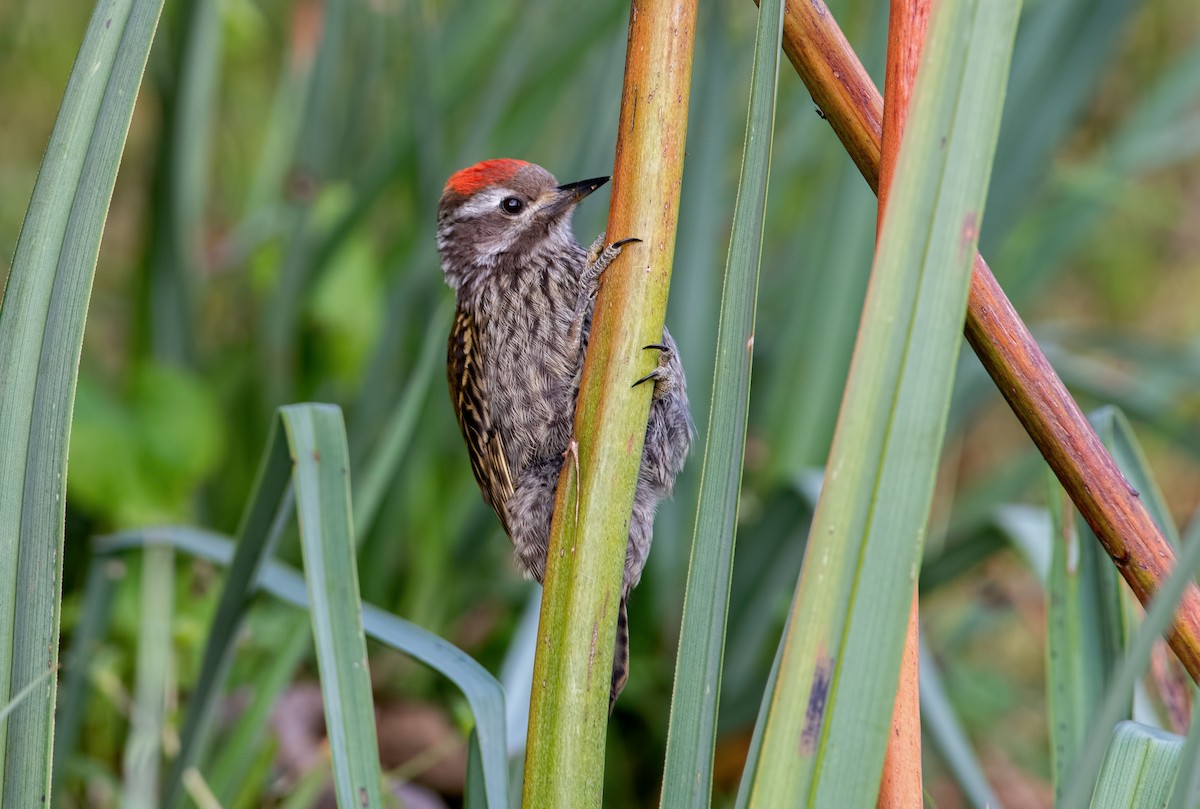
pixel 525 290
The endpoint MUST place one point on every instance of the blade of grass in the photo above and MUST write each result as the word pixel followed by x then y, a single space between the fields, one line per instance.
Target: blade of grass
pixel 1085 637
pixel 260 768
pixel 268 510
pixel 846 631
pixel 307 791
pixel 282 125
pixel 703 238
pixel 1137 658
pixel 1185 794
pixel 475 792
pixel 198 790
pixel 692 730
pixel 976 506
pixel 143 745
pixel 41 332
pixel 1142 144
pixel 321 478
pixel 1156 391
pixel 1087 616
pixel 564 763
pixel 483 692
pixel 1139 768
pixel 516 674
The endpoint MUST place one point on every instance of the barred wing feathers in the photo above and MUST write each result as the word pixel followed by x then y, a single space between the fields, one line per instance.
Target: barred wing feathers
pixel 484 446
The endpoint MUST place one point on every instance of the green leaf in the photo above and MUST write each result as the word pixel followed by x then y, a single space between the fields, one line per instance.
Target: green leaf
pixel 306 793
pixel 483 692
pixel 41 332
pixel 818 340
pixel 691 737
pixel 1085 639
pixel 1087 619
pixel 143 745
pixel 347 306
pixel 1185 793
pixel 1157 621
pixel 1139 769
pixel 475 793
pixel 837 680
pixel 268 508
pixel 321 478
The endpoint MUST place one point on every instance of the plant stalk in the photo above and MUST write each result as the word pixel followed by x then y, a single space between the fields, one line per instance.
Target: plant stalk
pixel 568 716
pixel 908 20
pixel 849 100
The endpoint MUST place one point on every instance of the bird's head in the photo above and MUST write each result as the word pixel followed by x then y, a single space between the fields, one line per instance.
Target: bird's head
pixel 504 211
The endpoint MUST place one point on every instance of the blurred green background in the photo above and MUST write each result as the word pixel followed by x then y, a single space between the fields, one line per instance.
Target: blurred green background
pixel 271 240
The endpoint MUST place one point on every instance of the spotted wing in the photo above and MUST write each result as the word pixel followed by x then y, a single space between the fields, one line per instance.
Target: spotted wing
pixel 484 446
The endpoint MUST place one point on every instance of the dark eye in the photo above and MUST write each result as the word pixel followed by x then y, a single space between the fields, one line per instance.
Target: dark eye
pixel 511 205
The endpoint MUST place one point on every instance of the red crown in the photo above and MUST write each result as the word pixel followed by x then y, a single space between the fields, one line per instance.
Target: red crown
pixel 483 174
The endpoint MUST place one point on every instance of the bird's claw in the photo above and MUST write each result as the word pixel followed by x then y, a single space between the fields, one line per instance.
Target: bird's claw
pixel 600 256
pixel 660 370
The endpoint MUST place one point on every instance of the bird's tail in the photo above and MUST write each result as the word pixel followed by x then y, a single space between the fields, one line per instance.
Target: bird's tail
pixel 620 671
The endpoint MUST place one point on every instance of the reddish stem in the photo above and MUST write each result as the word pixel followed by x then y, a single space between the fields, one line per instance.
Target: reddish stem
pixel 908 20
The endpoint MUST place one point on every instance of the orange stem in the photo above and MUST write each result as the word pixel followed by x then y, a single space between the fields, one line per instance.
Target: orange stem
pixel 569 709
pixel 900 786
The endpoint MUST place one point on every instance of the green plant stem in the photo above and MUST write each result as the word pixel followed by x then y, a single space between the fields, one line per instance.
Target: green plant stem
pixel 564 764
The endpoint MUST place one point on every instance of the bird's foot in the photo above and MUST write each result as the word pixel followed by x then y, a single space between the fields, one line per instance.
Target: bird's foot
pixel 599 256
pixel 665 373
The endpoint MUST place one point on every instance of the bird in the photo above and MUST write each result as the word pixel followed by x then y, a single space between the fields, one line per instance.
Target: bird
pixel 524 291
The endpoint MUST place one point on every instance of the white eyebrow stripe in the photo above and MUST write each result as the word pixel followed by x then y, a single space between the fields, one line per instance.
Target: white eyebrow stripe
pixel 486 201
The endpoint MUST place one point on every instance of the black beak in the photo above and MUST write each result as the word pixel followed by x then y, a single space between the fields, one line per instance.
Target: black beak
pixel 570 194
